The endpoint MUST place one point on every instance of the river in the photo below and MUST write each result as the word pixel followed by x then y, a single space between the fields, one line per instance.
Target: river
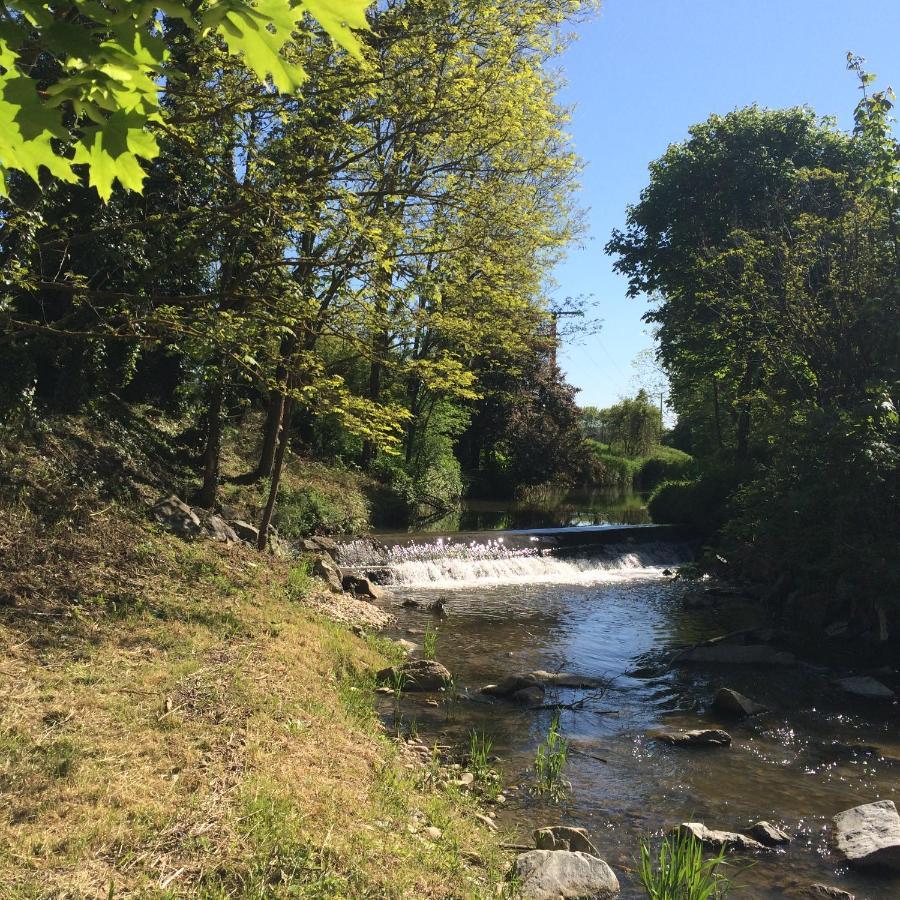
pixel 611 614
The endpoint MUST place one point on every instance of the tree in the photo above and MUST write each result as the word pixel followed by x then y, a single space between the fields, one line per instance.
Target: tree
pixel 768 243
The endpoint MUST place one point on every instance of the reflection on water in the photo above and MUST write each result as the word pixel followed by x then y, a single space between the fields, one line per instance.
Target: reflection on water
pixel 556 510
pixel 787 766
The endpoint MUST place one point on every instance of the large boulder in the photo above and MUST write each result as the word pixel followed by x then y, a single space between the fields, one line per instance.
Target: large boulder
pixel 864 686
pixel 324 568
pixel 700 737
pixel 869 835
pixel 720 840
pixel 563 837
pixel 731 703
pixel 416 675
pixel 176 516
pixel 556 874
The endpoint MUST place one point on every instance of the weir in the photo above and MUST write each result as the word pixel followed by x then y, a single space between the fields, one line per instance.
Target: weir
pixel 580 555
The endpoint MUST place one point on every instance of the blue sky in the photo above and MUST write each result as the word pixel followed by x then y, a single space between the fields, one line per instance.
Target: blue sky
pixel 644 71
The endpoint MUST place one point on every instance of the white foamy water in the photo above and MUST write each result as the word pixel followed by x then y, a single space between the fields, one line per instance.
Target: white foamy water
pixel 450 566
pixel 453 573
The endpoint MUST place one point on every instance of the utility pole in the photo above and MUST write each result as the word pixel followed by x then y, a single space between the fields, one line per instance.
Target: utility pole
pixel 554 316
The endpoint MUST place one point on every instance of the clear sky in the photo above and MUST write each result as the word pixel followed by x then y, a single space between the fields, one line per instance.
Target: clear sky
pixel 642 73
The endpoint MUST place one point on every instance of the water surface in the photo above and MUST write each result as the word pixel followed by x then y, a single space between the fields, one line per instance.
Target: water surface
pixel 610 618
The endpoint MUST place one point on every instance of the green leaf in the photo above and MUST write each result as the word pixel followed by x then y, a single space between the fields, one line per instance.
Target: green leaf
pixel 26 129
pixel 339 18
pixel 111 153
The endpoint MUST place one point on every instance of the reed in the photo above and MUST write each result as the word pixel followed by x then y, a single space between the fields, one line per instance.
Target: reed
pixel 550 760
pixel 678 870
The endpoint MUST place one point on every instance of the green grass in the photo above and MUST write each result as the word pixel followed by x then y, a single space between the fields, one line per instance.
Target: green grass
pixel 550 760
pixel 678 870
pixel 429 643
pixel 642 472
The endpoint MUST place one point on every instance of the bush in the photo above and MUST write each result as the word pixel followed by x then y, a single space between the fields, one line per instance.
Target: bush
pixel 310 510
pixel 665 464
pixel 701 503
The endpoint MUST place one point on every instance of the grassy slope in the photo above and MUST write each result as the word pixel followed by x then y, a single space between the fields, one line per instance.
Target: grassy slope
pixel 176 721
pixel 625 471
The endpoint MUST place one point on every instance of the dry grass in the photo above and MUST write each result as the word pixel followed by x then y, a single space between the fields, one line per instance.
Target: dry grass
pixel 176 722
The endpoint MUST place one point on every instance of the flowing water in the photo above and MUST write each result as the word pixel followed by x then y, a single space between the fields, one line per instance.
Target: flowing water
pixel 554 509
pixel 516 606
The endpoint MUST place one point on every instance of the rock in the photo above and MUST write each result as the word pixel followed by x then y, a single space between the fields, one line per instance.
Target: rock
pixel 219 530
pixel 734 704
pixel 869 835
pixel 864 686
pixel 361 587
pixel 562 837
pixel 700 737
pixel 467 778
pixel 826 890
pixel 248 533
pixel 435 834
pixel 176 516
pixel 416 675
pixel 555 874
pixel 438 608
pixel 408 647
pixel 720 840
pixel 529 696
pixel 769 834
pixel 667 572
pixel 513 684
pixel 320 544
pixel 323 567
pixel 411 604
pixel 736 655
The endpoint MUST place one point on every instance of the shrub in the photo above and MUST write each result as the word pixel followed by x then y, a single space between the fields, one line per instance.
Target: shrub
pixel 310 510
pixel 665 464
pixel 701 503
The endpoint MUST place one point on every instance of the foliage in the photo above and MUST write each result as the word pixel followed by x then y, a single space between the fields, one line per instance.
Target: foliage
pixel 361 256
pixel 87 75
pixel 304 511
pixel 774 287
pixel 631 426
pixel 679 871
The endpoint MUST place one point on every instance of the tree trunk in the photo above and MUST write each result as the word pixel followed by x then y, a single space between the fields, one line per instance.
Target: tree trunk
pixel 212 454
pixel 718 412
pixel 287 407
pixel 270 435
pixel 742 433
pixel 375 373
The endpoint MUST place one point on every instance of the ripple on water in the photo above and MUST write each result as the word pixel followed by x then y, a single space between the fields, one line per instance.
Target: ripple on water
pixel 790 766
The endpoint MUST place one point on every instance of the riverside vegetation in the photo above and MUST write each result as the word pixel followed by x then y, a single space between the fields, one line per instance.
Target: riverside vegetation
pixel 312 295
pixel 774 288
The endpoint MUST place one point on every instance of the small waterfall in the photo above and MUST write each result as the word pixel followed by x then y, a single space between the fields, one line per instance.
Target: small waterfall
pixel 450 565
